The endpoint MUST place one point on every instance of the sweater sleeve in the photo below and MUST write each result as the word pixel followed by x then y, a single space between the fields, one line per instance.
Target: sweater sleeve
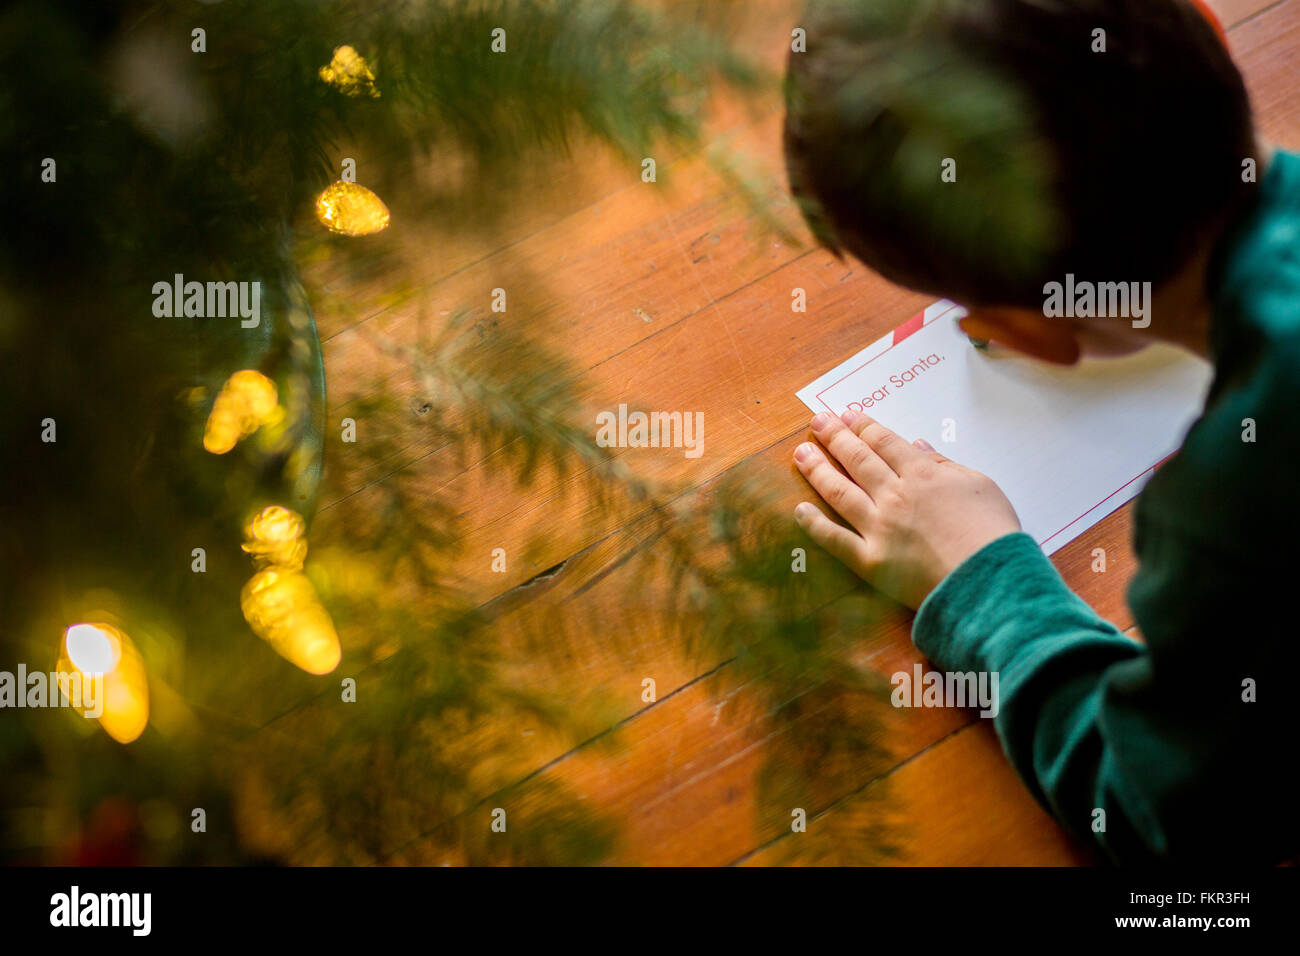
pixel 1182 749
pixel 1005 610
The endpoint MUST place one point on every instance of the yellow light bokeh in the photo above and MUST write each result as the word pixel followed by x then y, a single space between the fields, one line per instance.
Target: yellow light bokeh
pixel 279 602
pixel 98 648
pixel 349 73
pixel 282 608
pixel 274 537
pixel 92 649
pixel 247 401
pixel 351 209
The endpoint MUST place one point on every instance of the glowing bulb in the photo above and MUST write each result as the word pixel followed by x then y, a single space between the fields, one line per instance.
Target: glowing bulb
pixel 91 649
pixel 282 608
pixel 247 401
pixel 274 537
pixel 351 209
pixel 279 602
pixel 102 649
pixel 349 73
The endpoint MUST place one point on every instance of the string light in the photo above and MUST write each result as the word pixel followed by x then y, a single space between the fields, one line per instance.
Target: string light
pixel 282 608
pixel 274 538
pixel 279 602
pixel 94 649
pixel 247 401
pixel 351 209
pixel 349 73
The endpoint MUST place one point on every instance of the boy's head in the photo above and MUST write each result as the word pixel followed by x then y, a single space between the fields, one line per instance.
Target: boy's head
pixel 979 149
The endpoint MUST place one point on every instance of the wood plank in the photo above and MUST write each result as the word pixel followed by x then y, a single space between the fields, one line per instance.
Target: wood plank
pixel 681 775
pixel 729 361
pixel 957 804
pixel 1267 49
pixel 1233 12
pixel 623 635
pixel 594 285
pixel 431 246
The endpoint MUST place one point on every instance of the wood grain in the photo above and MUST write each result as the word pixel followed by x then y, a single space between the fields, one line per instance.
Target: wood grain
pixel 666 296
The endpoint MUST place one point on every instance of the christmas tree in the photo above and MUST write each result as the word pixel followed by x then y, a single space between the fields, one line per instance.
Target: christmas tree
pixel 184 179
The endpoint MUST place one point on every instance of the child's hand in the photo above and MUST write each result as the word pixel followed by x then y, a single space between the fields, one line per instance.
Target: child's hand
pixel 917 515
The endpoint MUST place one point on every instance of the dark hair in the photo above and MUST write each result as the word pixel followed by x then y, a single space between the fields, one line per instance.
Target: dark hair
pixel 1111 165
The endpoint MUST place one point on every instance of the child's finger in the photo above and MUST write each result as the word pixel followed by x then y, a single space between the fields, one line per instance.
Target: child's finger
pixel 837 540
pixel 857 457
pixel 895 452
pixel 848 500
pixel 926 447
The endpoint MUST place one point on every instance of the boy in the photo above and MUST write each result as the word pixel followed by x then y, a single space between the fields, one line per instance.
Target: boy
pixel 1110 139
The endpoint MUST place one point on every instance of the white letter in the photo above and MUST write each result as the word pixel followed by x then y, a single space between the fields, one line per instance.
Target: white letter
pixel 989 699
pixel 1052 305
pixel 606 425
pixel 1142 313
pixel 59 914
pixel 902 695
pixel 142 904
pixel 694 443
pixel 256 313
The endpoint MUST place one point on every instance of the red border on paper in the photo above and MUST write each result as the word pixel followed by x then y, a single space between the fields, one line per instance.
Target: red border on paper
pixel 915 324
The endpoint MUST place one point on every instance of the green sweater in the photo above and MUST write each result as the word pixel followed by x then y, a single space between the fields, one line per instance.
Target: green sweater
pixel 1164 738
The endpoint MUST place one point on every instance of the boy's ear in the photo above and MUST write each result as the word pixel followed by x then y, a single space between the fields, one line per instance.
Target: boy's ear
pixel 1025 330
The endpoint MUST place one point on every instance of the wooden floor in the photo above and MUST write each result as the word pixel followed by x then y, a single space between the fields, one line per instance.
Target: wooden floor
pixel 670 296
